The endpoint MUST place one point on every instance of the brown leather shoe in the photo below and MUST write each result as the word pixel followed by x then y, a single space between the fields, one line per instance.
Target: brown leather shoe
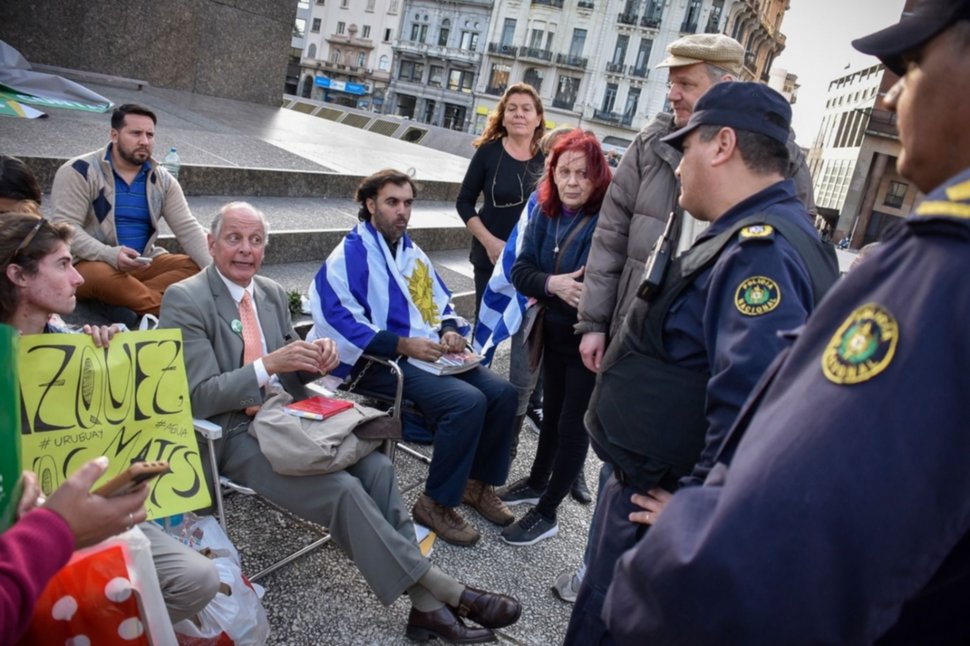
pixel 443 624
pixel 444 521
pixel 488 609
pixel 482 498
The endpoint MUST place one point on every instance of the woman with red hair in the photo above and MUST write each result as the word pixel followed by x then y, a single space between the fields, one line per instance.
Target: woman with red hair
pixel 549 269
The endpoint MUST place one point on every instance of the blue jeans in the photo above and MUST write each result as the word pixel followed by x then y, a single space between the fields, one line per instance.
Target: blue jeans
pixel 473 415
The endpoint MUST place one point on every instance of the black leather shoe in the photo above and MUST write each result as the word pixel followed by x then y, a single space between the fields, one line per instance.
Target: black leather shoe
pixel 579 491
pixel 443 624
pixel 488 609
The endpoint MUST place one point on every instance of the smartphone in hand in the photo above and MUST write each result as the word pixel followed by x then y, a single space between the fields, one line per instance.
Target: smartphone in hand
pixel 130 478
pixel 145 260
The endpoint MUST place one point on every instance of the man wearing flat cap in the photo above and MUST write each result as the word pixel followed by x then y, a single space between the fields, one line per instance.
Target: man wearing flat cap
pixel 696 343
pixel 838 510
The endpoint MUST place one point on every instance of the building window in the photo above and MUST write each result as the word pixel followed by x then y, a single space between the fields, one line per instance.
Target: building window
pixel 508 31
pixel 619 51
pixel 896 194
pixel 533 77
pixel 566 92
pixel 632 99
pixel 469 40
pixel 405 106
pixel 311 51
pixel 428 111
pixel 436 76
pixel 361 59
pixel 392 7
pixel 387 35
pixel 578 43
pixel 335 56
pixel 316 26
pixel 691 16
pixel 411 71
pixel 459 81
pixel 344 4
pixel 535 40
pixel 643 55
pixel 454 117
pixel 498 79
pixel 609 97
pixel 443 33
pixel 370 6
pixel 654 14
pixel 299 28
pixel 366 32
pixel 418 32
pixel 341 27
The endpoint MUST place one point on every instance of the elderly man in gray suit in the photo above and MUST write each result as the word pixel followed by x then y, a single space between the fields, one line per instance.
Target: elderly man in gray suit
pixel 219 311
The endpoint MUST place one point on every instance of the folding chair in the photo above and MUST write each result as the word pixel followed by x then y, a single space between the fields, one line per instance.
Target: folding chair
pixel 212 432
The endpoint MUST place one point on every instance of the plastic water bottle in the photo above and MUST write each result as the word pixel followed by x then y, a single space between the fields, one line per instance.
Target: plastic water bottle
pixel 172 163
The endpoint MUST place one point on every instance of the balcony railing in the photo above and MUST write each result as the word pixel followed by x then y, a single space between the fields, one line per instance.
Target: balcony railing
pixel 651 23
pixel 688 27
pixel 615 68
pixel 585 4
pixel 613 118
pixel 496 90
pixel 567 60
pixel 562 104
pixel 626 18
pixel 536 53
pixel 549 3
pixel 502 49
pixel 640 72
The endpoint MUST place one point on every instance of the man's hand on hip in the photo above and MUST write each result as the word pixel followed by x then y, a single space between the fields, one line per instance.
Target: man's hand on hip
pixel 423 349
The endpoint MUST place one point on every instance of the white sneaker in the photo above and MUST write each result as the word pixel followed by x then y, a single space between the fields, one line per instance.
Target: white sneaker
pixel 566 587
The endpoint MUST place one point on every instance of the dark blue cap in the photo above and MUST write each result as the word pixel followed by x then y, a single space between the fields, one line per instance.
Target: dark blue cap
pixel 917 27
pixel 743 106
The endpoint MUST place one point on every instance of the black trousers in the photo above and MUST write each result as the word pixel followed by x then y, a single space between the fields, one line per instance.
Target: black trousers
pixel 563 442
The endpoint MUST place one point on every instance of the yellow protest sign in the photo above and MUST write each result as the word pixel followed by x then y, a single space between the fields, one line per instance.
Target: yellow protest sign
pixel 128 402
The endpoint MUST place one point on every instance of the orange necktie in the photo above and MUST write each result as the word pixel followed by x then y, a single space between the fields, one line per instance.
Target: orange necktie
pixel 252 342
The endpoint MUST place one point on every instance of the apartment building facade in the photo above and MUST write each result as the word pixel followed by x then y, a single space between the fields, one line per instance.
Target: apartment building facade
pixel 348 50
pixel 858 191
pixel 593 61
pixel 437 58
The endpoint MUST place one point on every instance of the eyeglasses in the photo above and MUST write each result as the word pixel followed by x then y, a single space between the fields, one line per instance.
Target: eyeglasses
pixel 522 195
pixel 30 238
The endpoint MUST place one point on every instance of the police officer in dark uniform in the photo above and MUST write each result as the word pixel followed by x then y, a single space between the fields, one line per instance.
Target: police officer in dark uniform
pixel 839 507
pixel 690 352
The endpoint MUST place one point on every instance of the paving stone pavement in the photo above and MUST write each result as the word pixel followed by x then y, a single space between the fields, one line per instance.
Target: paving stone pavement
pixel 322 599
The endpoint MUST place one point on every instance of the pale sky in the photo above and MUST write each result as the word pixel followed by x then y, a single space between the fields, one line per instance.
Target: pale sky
pixel 819 33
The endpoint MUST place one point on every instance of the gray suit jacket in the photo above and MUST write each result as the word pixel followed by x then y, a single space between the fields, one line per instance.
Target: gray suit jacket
pixel 221 386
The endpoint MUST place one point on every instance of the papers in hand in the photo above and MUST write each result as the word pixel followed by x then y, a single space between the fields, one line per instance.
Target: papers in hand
pixel 318 408
pixel 449 364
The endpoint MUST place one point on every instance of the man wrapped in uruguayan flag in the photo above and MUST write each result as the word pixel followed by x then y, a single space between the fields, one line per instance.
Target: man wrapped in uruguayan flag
pixel 363 288
pixel 378 293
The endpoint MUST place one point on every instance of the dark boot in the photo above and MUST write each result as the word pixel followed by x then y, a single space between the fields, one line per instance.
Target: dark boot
pixel 517 429
pixel 579 491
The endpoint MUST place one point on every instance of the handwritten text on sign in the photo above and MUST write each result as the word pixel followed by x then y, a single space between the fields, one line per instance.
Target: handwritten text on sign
pixel 128 402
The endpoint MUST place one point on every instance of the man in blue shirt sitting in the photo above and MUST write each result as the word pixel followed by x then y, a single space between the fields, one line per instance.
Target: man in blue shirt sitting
pixel 115 198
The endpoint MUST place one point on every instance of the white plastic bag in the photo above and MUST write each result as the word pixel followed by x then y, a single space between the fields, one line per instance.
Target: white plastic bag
pixel 204 533
pixel 238 616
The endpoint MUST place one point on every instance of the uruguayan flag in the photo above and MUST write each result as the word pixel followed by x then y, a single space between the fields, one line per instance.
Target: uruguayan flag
pixel 501 310
pixel 362 288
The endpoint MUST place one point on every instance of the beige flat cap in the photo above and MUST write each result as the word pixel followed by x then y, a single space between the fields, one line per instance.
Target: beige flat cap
pixel 716 49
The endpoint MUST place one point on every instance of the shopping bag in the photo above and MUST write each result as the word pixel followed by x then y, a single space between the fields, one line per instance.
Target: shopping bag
pixel 108 595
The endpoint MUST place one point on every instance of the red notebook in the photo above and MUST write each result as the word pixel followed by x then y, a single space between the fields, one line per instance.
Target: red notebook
pixel 318 407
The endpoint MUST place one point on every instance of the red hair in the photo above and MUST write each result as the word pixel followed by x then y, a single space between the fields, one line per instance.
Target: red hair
pixel 597 171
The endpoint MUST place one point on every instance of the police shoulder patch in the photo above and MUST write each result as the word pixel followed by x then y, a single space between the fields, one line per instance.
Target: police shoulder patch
pixel 757 232
pixel 862 347
pixel 757 295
